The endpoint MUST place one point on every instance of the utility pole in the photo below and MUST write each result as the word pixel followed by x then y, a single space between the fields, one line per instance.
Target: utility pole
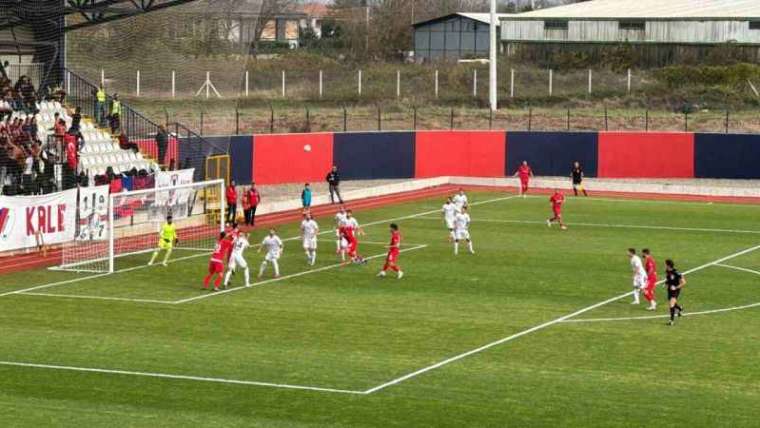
pixel 367 41
pixel 493 92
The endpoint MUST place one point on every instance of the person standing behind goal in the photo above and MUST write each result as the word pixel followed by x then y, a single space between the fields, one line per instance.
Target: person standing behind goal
pixel 333 181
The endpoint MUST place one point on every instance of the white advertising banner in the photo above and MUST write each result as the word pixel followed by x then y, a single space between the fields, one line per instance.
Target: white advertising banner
pixel 28 221
pixel 93 213
pixel 177 202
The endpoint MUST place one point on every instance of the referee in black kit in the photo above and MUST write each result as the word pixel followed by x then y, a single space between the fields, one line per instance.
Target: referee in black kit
pixel 674 281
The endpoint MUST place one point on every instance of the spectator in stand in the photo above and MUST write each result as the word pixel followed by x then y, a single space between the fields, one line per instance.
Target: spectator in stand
pixel 125 144
pixel 254 199
pixel 306 197
pixel 162 142
pixel 231 197
pixel 76 121
pixel 100 105
pixel 115 114
pixel 28 94
pixel 172 165
pixel 333 180
pixel 59 129
pixel 72 161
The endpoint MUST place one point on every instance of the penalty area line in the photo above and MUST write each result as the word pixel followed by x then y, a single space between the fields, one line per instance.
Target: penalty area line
pixel 89 297
pixel 177 377
pixel 285 277
pixel 539 327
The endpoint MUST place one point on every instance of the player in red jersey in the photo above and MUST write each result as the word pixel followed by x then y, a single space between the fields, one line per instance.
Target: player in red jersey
pixel 557 199
pixel 650 266
pixel 393 251
pixel 349 230
pixel 525 173
pixel 216 263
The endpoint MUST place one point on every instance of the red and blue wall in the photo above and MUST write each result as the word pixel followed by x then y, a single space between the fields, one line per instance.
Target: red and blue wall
pixel 287 158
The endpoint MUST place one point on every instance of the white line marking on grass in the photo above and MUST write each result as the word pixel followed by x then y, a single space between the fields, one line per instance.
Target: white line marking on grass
pixel 286 277
pixel 178 377
pixel 614 226
pixel 534 329
pixel 650 317
pixel 82 296
pixel 739 268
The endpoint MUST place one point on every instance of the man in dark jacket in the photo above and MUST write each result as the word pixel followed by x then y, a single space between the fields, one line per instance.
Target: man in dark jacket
pixel 162 142
pixel 333 180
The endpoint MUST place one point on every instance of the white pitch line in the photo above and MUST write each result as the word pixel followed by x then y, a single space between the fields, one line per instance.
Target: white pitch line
pixel 83 296
pixel 739 268
pixel 286 277
pixel 540 327
pixel 650 317
pixel 177 377
pixel 614 226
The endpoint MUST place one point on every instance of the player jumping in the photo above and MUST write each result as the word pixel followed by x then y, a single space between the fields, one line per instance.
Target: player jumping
pixel 236 259
pixel 650 266
pixel 449 212
pixel 350 230
pixel 577 176
pixel 525 173
pixel 216 263
pixel 460 200
pixel 462 230
pixel 639 275
pixel 340 248
pixel 273 244
pixel 557 199
pixel 393 251
pixel 166 241
pixel 309 232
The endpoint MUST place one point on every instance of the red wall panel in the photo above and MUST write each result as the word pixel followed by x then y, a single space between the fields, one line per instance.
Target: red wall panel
pixel 462 153
pixel 282 158
pixel 646 155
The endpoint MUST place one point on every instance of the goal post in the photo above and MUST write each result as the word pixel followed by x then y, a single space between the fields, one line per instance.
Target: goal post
pixel 134 220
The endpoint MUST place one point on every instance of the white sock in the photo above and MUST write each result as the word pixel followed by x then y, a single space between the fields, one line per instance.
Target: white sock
pixel 247 276
pixel 227 276
pixel 313 256
pixel 451 234
pixel 456 247
pixel 636 293
pixel 262 268
pixel 469 245
pixel 276 268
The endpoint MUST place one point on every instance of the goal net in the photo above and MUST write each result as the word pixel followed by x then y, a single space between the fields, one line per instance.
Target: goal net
pixel 126 236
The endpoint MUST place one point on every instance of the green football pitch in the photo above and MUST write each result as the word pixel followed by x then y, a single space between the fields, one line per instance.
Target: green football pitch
pixel 534 329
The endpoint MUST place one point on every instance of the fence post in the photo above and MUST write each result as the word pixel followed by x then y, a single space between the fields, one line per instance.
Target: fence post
pixel 138 83
pixel 283 83
pixel 629 80
pixel 321 84
pixel 271 119
pixel 646 120
pixel 398 83
pixel 606 120
pixel 379 119
pixel 345 119
pixel 246 83
pixel 208 86
pixel 359 79
pixel 490 118
pixel 68 82
pixel 551 82
pixel 102 78
pixel 568 119
pixel 166 117
pixel 174 83
pixel 590 81
pixel 727 121
pixel 530 118
pixel 237 121
pixel 201 122
pixel 414 118
pixel 475 83
pixel 512 83
pixel 436 84
pixel 308 120
pixel 452 119
pixel 686 121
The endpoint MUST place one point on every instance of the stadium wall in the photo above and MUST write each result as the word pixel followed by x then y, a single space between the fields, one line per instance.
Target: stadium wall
pixel 289 158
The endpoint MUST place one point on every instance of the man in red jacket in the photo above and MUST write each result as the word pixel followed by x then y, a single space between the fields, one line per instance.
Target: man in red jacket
pixel 254 199
pixel 231 197
pixel 72 160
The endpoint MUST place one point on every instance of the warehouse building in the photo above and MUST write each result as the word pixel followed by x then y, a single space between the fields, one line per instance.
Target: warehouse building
pixel 659 31
pixel 452 37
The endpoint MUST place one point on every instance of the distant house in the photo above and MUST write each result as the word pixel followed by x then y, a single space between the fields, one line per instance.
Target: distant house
pixel 454 36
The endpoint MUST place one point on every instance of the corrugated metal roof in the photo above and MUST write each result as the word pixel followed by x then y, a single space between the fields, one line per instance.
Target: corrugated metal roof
pixel 650 9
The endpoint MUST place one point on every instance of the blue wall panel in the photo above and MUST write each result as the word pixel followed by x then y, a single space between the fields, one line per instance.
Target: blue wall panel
pixel 552 153
pixel 727 156
pixel 371 155
pixel 241 159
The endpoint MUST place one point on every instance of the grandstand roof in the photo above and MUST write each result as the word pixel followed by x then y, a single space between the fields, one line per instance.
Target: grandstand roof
pixel 651 10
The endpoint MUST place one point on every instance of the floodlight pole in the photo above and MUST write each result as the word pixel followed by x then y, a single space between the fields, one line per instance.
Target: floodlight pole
pixel 492 88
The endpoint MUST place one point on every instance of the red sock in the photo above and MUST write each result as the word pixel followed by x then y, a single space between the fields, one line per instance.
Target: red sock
pixel 218 281
pixel 206 280
pixel 385 267
pixel 395 268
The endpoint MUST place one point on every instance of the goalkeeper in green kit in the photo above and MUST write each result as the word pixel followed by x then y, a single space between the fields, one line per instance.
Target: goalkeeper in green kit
pixel 167 239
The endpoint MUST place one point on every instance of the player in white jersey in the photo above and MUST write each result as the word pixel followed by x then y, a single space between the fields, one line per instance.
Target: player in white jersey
pixel 460 200
pixel 462 230
pixel 639 275
pixel 340 218
pixel 309 232
pixel 239 245
pixel 449 213
pixel 274 247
